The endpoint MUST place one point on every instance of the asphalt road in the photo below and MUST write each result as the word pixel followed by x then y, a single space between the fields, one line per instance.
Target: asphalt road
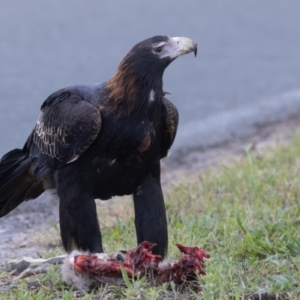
pixel 247 72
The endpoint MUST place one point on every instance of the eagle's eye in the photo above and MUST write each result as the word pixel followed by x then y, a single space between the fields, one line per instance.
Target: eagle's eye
pixel 158 49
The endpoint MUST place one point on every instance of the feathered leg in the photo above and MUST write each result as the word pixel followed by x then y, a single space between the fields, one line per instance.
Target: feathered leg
pixel 150 212
pixel 77 214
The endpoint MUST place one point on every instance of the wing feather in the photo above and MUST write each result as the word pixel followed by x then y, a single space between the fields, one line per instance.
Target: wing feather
pixel 170 124
pixel 66 127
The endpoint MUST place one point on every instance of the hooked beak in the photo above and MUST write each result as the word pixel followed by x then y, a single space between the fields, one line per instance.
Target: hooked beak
pixel 184 45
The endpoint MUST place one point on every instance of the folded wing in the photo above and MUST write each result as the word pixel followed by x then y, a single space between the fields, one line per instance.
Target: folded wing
pixel 66 127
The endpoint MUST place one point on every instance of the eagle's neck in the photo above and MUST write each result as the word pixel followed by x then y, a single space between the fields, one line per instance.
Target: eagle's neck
pixel 133 89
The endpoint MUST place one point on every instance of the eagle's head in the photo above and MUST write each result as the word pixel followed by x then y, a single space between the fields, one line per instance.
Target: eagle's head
pixel 141 70
pixel 156 53
pixel 164 48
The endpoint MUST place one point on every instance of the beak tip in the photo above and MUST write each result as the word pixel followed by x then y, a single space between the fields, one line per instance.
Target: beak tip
pixel 195 49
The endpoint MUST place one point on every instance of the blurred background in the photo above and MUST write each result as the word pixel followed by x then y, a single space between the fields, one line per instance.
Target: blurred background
pixel 246 74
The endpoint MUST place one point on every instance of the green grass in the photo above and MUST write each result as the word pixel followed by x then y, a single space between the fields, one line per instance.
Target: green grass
pixel 246 214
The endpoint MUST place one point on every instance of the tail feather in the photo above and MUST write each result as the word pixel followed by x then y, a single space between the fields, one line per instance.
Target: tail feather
pixel 9 160
pixel 14 174
pixel 16 184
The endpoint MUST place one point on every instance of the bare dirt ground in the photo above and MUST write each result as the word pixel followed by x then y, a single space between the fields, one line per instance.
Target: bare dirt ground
pixel 19 229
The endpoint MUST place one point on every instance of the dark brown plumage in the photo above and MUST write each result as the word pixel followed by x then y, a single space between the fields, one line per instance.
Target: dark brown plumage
pixel 98 141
